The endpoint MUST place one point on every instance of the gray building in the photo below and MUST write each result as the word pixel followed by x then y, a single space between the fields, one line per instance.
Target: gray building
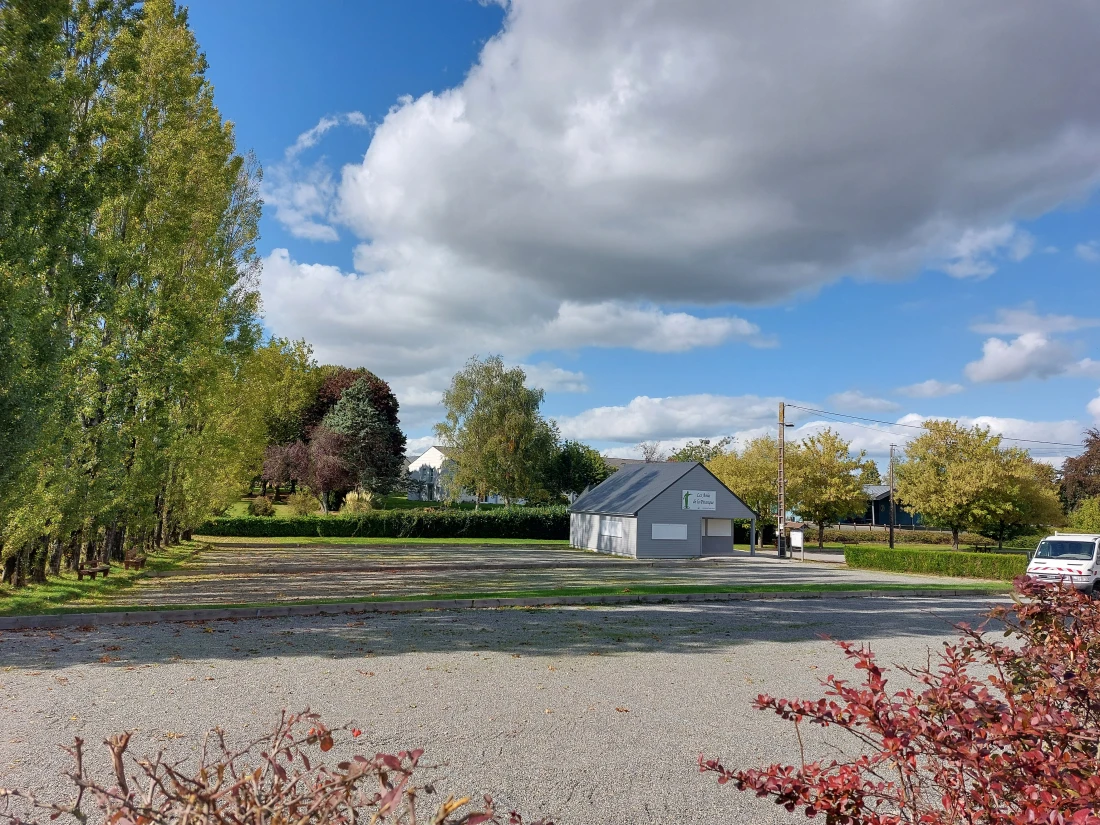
pixel 658 511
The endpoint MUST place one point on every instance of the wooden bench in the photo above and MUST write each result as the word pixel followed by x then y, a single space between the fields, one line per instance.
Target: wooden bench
pixel 83 571
pixel 136 562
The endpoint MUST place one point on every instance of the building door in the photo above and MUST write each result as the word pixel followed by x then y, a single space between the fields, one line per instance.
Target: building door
pixel 717 539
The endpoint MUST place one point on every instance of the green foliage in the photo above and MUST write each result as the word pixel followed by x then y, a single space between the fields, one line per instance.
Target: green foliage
pixel 1002 567
pixel 575 467
pixel 261 506
pixel 376 445
pixel 1086 517
pixel 823 488
pixel 302 503
pixel 511 522
pixel 868 473
pixel 702 450
pixel 495 433
pixel 960 478
pixel 131 395
pixel 835 535
pixel 752 475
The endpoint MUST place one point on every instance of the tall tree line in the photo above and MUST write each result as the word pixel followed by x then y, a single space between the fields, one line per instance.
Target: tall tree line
pixel 129 379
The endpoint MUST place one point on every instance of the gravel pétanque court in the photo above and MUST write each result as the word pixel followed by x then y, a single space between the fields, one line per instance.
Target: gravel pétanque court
pixel 589 714
pixel 234 573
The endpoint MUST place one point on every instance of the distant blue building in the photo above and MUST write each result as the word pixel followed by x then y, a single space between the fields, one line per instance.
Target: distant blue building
pixel 878 509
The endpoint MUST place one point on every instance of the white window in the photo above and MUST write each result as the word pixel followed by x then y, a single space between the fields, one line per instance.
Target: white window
pixel 670 532
pixel 611 527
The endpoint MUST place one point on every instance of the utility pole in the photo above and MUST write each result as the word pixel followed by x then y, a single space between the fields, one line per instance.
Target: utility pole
pixel 781 515
pixel 893 515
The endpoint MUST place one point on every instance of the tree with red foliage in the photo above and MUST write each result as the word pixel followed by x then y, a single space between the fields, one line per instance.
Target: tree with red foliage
pixel 1081 473
pixel 999 734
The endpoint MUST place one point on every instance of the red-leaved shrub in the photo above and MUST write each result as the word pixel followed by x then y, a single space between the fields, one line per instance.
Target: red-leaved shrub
pixel 997 734
pixel 276 779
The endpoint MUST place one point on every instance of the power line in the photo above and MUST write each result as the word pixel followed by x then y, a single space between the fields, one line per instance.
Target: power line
pixel 921 427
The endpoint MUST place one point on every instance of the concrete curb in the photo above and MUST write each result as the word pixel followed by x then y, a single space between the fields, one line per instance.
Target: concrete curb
pixel 281 611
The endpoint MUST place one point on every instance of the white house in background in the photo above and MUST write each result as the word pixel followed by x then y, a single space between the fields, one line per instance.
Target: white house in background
pixel 428 475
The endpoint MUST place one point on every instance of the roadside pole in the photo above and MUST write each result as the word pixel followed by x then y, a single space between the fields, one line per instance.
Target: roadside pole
pixel 892 515
pixel 781 511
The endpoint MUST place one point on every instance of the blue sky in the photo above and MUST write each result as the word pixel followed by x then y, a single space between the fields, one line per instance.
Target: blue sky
pixel 676 214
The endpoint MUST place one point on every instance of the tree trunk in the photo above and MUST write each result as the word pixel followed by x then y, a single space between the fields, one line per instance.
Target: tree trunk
pixel 954 538
pixel 821 535
pixel 37 557
pixel 55 557
pixel 8 575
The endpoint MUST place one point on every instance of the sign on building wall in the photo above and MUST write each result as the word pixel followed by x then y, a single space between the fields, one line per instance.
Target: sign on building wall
pixel 699 499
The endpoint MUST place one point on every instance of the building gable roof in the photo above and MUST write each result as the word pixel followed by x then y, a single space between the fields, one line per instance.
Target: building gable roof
pixel 630 489
pixel 876 491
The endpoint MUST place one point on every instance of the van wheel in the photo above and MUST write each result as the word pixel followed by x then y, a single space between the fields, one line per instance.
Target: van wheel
pixel 1094 592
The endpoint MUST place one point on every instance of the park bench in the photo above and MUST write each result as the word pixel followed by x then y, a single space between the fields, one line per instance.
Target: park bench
pixel 136 562
pixel 82 571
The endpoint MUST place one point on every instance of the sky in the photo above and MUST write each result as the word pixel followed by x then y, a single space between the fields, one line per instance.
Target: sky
pixel 675 214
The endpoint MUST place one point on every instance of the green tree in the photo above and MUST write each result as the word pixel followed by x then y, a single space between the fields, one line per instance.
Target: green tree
pixel 702 450
pixel 1087 516
pixel 869 473
pixel 824 487
pixel 953 476
pixel 1028 498
pixel 375 443
pixel 575 468
pixel 753 475
pixel 499 440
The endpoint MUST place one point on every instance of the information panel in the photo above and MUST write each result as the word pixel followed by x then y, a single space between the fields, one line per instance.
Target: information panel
pixel 699 499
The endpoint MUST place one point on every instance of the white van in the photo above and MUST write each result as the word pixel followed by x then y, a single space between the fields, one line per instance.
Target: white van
pixel 1070 558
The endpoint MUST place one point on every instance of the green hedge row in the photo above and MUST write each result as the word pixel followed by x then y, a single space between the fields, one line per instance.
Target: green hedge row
pixel 509 523
pixel 833 534
pixel 937 562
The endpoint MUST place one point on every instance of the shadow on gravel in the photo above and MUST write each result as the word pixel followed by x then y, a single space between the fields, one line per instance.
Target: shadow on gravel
pixel 576 631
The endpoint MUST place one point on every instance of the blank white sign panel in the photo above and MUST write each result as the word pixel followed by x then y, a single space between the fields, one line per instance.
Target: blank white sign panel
pixel 670 532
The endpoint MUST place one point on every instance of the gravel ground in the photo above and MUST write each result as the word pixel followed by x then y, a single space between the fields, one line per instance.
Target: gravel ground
pixel 522 704
pixel 235 574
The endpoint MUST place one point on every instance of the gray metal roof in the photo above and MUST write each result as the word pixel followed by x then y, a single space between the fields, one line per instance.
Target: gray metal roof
pixel 876 491
pixel 630 489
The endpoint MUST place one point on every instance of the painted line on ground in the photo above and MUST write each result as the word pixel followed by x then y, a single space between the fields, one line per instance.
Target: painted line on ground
pixel 209 614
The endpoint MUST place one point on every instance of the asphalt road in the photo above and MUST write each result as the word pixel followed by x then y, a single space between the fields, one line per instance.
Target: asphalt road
pixel 588 715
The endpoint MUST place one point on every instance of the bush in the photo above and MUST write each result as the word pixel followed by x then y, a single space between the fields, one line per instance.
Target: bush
pixel 1001 566
pixel 362 502
pixel 277 778
pixel 537 523
pixel 261 506
pixel 993 732
pixel 1086 517
pixel 302 504
pixel 882 534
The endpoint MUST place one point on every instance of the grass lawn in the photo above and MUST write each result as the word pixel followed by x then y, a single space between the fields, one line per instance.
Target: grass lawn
pixel 65 590
pixel 636 590
pixel 319 541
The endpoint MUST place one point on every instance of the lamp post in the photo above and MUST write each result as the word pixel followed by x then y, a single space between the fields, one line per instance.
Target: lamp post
pixel 893 516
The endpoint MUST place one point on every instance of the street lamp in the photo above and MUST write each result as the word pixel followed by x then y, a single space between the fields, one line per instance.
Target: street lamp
pixel 781 514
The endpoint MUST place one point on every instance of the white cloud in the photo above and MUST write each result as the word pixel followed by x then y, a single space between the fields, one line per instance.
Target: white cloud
pixel 311 137
pixel 655 150
pixel 1031 355
pixel 413 321
pixel 855 401
pixel 977 252
pixel 303 195
pixel 930 389
pixel 1024 319
pixel 1094 408
pixel 547 377
pixel 675 417
pixel 1089 252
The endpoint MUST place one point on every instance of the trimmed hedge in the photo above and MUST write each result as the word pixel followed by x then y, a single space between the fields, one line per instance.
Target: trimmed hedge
pixel 542 523
pixel 1000 566
pixel 861 535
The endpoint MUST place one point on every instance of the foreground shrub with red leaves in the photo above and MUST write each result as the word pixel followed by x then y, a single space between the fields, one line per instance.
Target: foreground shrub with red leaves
pixel 270 780
pixel 997 734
